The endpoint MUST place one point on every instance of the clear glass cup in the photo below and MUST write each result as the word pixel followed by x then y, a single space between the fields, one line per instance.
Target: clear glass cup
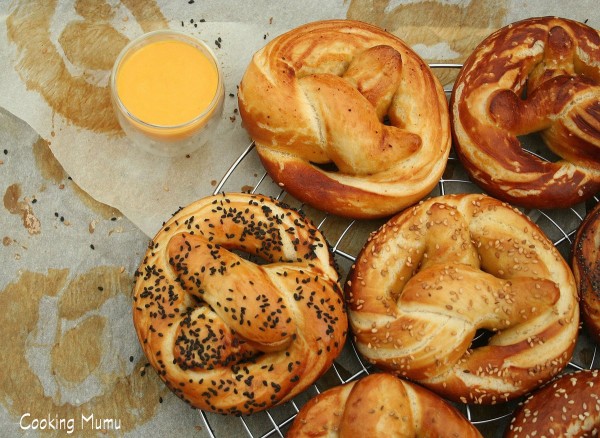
pixel 168 140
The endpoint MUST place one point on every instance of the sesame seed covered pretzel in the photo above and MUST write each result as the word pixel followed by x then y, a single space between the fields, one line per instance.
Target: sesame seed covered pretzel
pixel 228 335
pixel 434 276
pixel 536 75
pixel 380 405
pixel 347 118
pixel 566 407
pixel 586 268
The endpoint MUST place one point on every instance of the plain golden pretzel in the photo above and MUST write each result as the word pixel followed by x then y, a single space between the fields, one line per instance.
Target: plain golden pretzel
pixel 380 405
pixel 346 118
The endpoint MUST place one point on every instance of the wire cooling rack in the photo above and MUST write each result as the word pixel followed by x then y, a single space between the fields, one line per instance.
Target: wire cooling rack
pixel 347 237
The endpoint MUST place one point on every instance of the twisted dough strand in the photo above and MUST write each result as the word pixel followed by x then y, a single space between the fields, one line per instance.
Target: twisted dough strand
pixel 557 63
pixel 227 335
pixel 347 94
pixel 431 277
pixel 379 405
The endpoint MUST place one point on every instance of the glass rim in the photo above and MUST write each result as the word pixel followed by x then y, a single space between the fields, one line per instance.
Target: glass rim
pixel 188 39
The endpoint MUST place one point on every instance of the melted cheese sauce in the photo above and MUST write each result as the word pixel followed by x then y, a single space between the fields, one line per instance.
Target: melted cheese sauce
pixel 167 83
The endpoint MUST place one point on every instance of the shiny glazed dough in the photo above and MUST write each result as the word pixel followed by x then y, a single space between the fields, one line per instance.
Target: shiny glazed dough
pixel 380 405
pixel 228 335
pixel 586 268
pixel 346 118
pixel 556 62
pixel 566 407
pixel 435 275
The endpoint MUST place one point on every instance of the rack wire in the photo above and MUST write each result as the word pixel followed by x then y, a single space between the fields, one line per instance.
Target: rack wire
pixel 346 237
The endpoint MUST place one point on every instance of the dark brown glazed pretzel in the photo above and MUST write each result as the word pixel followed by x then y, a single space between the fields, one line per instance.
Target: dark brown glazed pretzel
pixel 566 407
pixel 434 275
pixel 346 94
pixel 586 268
pixel 380 405
pixel 225 334
pixel 557 63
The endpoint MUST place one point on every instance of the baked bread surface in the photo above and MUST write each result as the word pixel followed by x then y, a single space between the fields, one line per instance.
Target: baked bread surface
pixel 586 268
pixel 540 75
pixel 228 335
pixel 566 407
pixel 380 405
pixel 449 269
pixel 346 118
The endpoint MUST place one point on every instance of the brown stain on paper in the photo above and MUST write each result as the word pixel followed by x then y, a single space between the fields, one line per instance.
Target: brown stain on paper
pixel 70 346
pixel 47 164
pixel 462 26
pixel 91 43
pixel 21 208
pixel 76 353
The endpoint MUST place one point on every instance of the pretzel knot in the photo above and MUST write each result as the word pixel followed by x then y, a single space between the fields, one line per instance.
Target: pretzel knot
pixel 453 267
pixel 228 335
pixel 538 75
pixel 347 118
pixel 380 405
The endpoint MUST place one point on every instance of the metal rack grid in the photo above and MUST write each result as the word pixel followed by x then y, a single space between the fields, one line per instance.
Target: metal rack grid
pixel 346 237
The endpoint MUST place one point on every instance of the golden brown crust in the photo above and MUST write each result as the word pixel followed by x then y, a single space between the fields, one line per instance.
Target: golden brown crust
pixel 566 407
pixel 351 94
pixel 227 335
pixel 379 405
pixel 433 276
pixel 558 62
pixel 586 268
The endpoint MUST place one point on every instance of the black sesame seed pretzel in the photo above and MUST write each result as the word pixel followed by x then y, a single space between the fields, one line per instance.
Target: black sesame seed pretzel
pixel 225 334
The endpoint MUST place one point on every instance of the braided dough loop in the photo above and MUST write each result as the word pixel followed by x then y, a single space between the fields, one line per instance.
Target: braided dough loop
pixel 351 94
pixel 557 61
pixel 586 268
pixel 431 277
pixel 566 407
pixel 376 406
pixel 227 335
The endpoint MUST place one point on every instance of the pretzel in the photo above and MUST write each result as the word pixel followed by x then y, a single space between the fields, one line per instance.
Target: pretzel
pixel 566 407
pixel 376 406
pixel 435 276
pixel 346 118
pixel 586 268
pixel 556 63
pixel 225 334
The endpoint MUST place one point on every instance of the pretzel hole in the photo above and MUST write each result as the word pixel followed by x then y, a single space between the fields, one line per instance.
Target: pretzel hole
pixel 535 145
pixel 481 338
pixel 327 167
pixel 251 257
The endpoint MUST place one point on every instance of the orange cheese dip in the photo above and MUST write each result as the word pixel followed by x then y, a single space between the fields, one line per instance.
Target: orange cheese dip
pixel 167 83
